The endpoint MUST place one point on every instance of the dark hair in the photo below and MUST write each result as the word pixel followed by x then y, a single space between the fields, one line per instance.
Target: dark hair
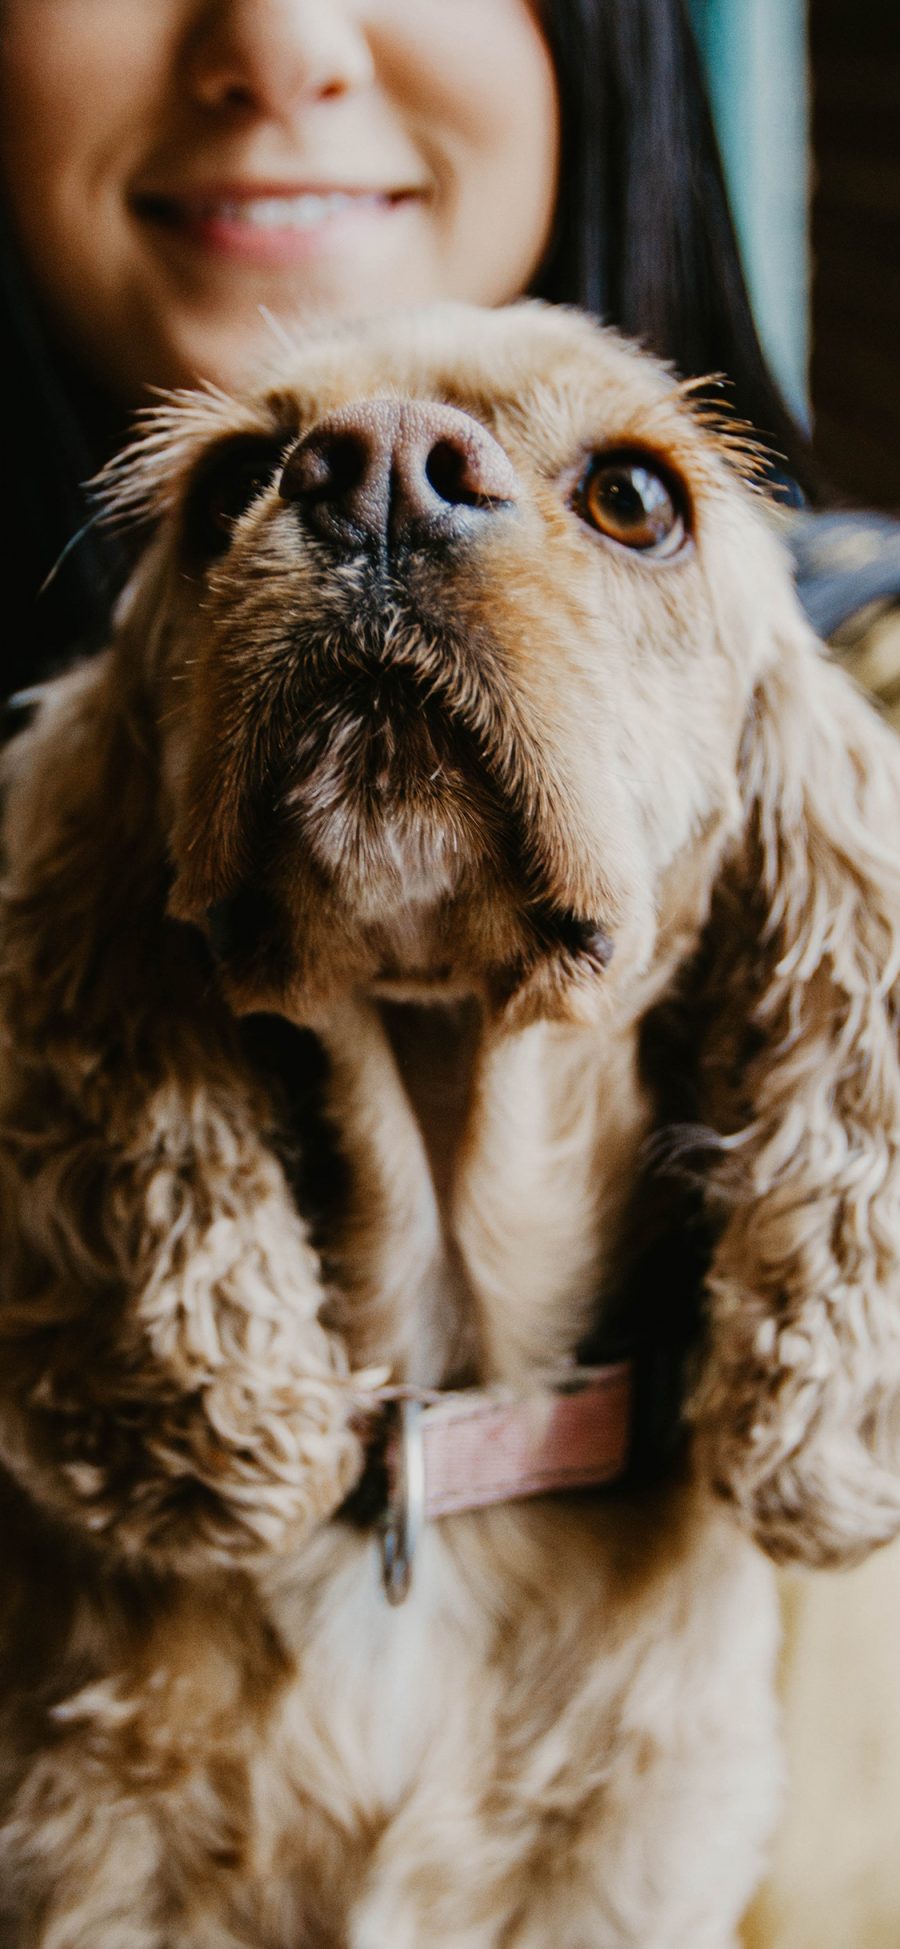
pixel 644 235
pixel 643 238
pixel 53 444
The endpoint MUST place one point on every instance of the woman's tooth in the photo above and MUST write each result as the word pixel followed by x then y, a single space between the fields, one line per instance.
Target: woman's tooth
pixel 285 213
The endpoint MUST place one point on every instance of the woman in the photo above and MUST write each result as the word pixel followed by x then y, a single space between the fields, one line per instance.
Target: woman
pixel 163 168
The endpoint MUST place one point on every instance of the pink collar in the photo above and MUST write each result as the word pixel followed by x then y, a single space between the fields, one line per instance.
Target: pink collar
pixel 453 1452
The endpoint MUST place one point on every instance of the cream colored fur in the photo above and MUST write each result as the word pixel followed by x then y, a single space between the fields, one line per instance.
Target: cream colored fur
pixel 215 1733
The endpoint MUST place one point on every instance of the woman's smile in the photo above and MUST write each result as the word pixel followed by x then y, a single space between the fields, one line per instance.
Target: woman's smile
pixel 194 164
pixel 274 224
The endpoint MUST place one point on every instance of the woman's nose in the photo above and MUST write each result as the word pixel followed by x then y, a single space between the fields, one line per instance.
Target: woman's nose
pixel 265 57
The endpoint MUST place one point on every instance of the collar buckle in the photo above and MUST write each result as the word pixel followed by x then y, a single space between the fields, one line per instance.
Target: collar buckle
pixel 404 1516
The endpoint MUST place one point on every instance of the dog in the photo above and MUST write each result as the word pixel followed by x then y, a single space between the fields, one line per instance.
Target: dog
pixel 449 971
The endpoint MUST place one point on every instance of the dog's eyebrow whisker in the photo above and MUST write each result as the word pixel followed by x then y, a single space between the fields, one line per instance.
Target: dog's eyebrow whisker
pixel 279 332
pixel 92 521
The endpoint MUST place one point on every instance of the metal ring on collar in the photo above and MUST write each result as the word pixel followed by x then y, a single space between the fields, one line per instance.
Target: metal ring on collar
pixel 405 1513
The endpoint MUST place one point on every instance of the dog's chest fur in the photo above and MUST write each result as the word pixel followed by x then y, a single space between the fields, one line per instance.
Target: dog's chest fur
pixel 486 1189
pixel 487 1177
pixel 411 1776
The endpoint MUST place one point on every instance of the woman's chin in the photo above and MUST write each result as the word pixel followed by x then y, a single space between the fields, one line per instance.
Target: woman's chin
pixel 225 338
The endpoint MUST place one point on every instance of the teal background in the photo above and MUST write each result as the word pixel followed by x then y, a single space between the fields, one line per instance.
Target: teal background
pixel 757 61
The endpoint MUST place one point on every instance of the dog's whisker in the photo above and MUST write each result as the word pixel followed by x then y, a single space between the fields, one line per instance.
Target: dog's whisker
pixel 94 520
pixel 279 332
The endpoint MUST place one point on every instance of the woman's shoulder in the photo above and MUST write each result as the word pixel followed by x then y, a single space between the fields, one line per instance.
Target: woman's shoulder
pixel 848 579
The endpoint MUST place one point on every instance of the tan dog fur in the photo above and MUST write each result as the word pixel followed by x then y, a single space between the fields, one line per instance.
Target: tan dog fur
pixel 215 1733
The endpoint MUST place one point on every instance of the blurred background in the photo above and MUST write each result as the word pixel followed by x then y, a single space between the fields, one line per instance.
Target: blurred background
pixel 806 95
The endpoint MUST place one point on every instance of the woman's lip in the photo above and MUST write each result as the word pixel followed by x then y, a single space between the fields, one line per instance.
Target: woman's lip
pixel 242 190
pixel 265 226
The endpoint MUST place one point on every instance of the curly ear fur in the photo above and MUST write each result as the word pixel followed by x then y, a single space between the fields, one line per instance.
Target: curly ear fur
pixel 165 1382
pixel 798 1405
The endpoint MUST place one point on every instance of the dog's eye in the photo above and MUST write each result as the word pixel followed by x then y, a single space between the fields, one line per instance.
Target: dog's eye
pixel 226 483
pixel 630 499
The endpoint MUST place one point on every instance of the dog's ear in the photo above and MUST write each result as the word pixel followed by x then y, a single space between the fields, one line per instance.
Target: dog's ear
pixel 165 1383
pixel 797 1406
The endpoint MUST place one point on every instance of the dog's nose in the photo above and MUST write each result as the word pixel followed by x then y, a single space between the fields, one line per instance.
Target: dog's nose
pixel 387 472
